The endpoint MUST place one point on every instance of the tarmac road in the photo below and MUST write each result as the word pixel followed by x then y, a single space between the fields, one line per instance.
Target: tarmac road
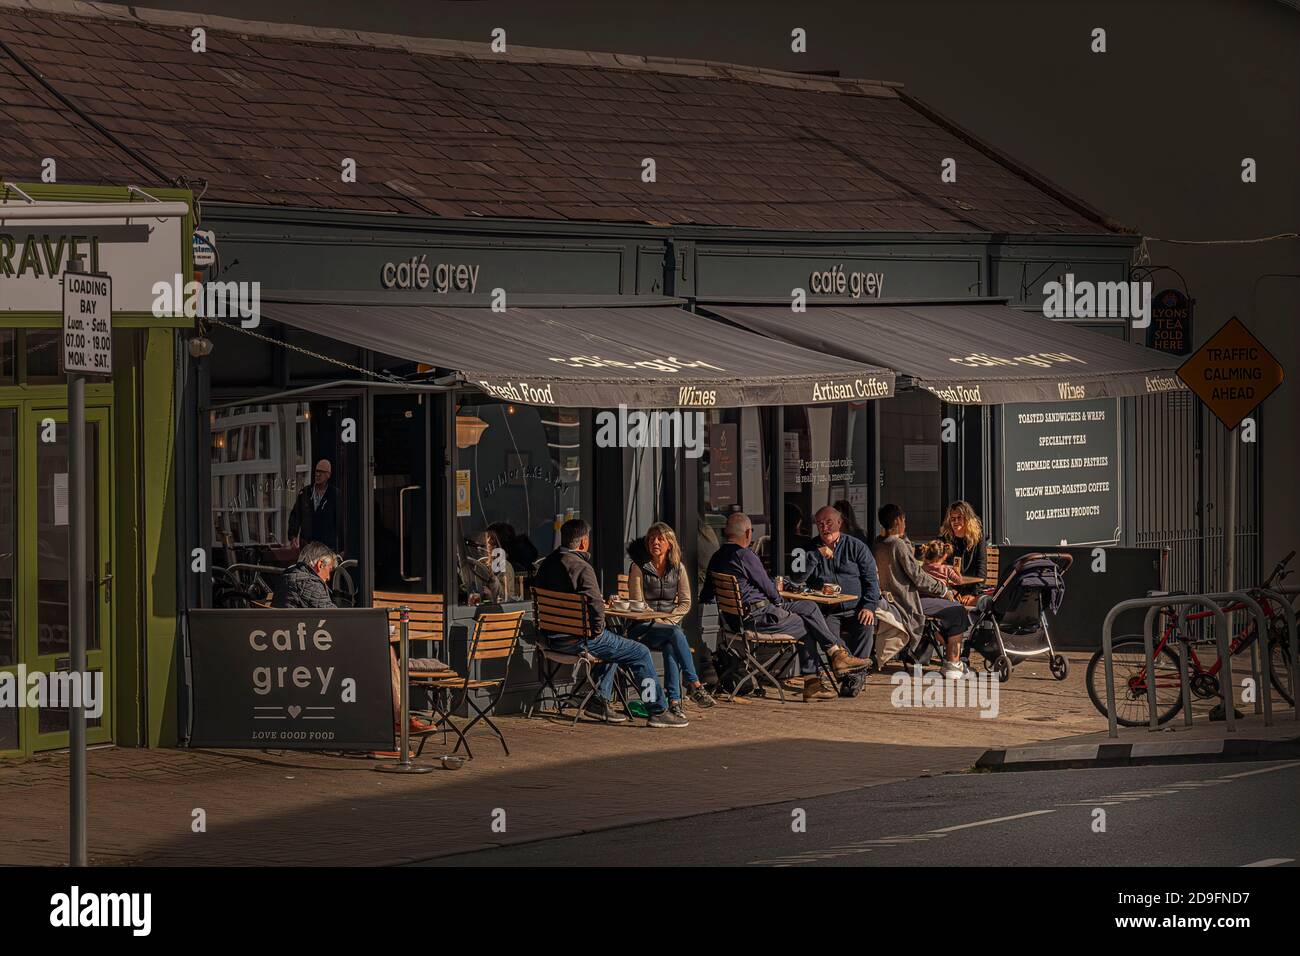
pixel 1216 814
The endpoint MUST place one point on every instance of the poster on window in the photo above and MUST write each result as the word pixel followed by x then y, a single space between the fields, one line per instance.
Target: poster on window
pixel 722 466
pixel 462 493
pixel 1060 472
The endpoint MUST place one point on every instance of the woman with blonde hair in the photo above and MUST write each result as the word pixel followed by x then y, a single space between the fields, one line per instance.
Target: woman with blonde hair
pixel 658 578
pixel 962 529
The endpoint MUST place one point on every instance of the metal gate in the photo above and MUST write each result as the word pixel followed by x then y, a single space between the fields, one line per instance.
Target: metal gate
pixel 1181 485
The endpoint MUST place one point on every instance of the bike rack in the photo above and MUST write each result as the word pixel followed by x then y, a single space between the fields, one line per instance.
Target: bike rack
pixel 1263 687
pixel 1280 593
pixel 1153 604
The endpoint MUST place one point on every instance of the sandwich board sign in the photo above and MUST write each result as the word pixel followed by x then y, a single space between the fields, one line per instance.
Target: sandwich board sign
pixel 1232 373
pixel 87 323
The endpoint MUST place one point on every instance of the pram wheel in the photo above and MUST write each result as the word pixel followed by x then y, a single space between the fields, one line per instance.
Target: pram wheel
pixel 1060 666
pixel 1003 666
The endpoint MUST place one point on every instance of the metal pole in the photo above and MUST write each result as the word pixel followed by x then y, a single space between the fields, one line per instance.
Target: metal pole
pixel 1261 678
pixel 1230 517
pixel 1147 646
pixel 1290 614
pixel 404 764
pixel 77 615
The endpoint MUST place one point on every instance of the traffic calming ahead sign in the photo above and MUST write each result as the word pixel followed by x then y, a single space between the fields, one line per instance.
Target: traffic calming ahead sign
pixel 1232 373
pixel 87 323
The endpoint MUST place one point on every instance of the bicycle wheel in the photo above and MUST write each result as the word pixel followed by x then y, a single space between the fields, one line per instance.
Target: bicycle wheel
pixel 1129 658
pixel 1279 667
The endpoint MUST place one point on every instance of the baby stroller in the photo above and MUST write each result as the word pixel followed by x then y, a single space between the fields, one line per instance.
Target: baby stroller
pixel 1010 624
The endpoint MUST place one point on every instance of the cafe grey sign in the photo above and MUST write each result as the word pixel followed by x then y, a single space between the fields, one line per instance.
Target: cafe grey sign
pixel 296 679
pixel 1060 472
pixel 417 273
pixel 835 281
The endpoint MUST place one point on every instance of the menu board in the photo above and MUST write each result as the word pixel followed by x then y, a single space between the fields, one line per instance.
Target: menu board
pixel 1060 472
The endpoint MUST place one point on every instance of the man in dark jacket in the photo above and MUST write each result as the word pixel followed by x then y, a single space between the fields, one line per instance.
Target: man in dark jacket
pixel 305 584
pixel 315 514
pixel 568 570
pixel 770 614
pixel 837 558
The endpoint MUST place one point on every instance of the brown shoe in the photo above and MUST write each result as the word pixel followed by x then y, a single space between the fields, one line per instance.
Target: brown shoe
pixel 814 689
pixel 842 662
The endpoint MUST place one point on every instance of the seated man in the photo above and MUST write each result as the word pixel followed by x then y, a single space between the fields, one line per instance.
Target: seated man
pixel 770 614
pixel 839 558
pixel 305 584
pixel 915 595
pixel 568 569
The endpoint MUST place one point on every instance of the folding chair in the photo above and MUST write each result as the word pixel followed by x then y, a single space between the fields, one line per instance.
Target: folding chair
pixel 735 629
pixel 558 612
pixel 425 623
pixel 495 636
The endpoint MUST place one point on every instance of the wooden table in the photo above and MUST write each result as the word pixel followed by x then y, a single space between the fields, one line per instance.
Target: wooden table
pixel 649 614
pixel 817 597
pixel 966 580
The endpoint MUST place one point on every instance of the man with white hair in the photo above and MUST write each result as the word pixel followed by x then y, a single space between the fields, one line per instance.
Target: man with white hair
pixel 770 614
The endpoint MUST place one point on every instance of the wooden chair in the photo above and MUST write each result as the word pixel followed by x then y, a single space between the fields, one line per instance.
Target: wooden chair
pixel 991 566
pixel 495 637
pixel 427 617
pixel 624 592
pixel 559 612
pixel 735 629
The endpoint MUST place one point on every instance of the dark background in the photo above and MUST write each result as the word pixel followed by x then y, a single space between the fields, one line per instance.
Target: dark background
pixel 1152 132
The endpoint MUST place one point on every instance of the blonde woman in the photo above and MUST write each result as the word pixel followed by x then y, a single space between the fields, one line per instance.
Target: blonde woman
pixel 658 578
pixel 962 529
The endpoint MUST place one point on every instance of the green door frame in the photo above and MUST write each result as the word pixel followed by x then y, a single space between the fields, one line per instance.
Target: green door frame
pixel 51 403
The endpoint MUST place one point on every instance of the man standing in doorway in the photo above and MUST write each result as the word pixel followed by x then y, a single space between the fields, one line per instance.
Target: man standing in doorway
pixel 315 515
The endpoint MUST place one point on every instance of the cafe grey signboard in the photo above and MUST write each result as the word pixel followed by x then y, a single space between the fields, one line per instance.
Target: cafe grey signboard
pixel 294 679
pixel 1060 468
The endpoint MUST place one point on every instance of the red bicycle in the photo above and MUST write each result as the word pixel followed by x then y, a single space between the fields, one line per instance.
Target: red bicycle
pixel 1130 667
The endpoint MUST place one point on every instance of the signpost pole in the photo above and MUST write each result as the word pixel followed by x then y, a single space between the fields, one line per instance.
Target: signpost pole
pixel 1230 516
pixel 77 614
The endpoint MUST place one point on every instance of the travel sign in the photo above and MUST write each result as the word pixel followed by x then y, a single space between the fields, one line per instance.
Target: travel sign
pixel 1232 373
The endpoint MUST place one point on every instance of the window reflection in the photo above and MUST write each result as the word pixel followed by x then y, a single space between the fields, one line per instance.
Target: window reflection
pixel 734 476
pixel 825 461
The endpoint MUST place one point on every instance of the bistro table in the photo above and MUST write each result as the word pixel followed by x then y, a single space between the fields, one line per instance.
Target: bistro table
pixel 817 597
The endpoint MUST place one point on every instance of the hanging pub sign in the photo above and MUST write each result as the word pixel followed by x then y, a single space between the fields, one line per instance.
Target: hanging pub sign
pixel 292 679
pixel 1171 322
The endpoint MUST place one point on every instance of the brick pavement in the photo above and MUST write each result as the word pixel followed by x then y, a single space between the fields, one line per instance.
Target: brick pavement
pixel 274 808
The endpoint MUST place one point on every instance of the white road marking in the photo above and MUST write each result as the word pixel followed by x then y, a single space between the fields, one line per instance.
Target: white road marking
pixel 1251 773
pixel 983 823
pixel 1274 861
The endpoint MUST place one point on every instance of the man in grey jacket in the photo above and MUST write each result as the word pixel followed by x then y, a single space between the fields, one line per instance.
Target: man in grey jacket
pixel 913 593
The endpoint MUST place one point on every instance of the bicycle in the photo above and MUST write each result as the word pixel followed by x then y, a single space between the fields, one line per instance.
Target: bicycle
pixel 1128 653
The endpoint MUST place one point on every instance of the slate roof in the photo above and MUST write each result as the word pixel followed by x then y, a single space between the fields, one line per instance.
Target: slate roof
pixel 448 128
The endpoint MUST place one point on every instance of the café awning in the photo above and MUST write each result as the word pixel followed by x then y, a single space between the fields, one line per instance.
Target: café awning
pixel 971 354
pixel 596 357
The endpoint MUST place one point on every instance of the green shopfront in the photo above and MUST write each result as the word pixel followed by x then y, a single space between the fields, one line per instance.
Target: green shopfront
pixel 371 366
pixel 132 422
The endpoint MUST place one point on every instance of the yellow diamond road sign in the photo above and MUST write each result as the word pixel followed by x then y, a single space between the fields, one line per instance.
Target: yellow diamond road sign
pixel 1232 373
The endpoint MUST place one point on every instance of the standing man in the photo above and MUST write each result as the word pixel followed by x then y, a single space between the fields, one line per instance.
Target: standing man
pixel 839 558
pixel 771 614
pixel 568 569
pixel 315 515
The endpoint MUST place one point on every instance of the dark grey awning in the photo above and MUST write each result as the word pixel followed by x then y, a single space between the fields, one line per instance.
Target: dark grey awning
pixel 977 354
pixel 644 357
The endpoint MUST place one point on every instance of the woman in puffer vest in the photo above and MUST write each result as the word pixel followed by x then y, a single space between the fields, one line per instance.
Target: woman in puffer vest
pixel 658 578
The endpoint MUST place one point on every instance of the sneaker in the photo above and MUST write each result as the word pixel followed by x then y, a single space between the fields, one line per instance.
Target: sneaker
pixel 668 718
pixel 701 698
pixel 598 709
pixel 952 669
pixel 675 708
pixel 842 662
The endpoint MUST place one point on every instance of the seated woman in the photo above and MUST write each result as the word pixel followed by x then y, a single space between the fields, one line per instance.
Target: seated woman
pixel 658 577
pixel 480 582
pixel 961 529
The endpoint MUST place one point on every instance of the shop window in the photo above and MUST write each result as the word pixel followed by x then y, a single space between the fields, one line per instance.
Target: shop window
pixel 518 477
pixel 825 460
pixel 734 475
pixel 8 351
pixel 8 537
pixel 912 460
pixel 44 357
pixel 264 460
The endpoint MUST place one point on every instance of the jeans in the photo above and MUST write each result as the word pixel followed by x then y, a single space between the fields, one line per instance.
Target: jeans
pixel 952 617
pixel 613 650
pixel 859 638
pixel 678 660
pixel 801 619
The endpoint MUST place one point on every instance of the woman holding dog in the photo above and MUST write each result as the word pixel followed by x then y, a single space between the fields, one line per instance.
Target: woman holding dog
pixel 658 578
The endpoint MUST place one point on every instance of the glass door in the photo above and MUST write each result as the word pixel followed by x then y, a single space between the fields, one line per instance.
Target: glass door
pixel 44 640
pixel 401 493
pixel 9 649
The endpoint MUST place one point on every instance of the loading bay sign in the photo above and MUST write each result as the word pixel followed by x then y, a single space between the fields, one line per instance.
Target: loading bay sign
pixel 87 323
pixel 1232 373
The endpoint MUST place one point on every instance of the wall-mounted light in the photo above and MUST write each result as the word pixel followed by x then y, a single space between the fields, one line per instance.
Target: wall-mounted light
pixel 200 346
pixel 469 429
